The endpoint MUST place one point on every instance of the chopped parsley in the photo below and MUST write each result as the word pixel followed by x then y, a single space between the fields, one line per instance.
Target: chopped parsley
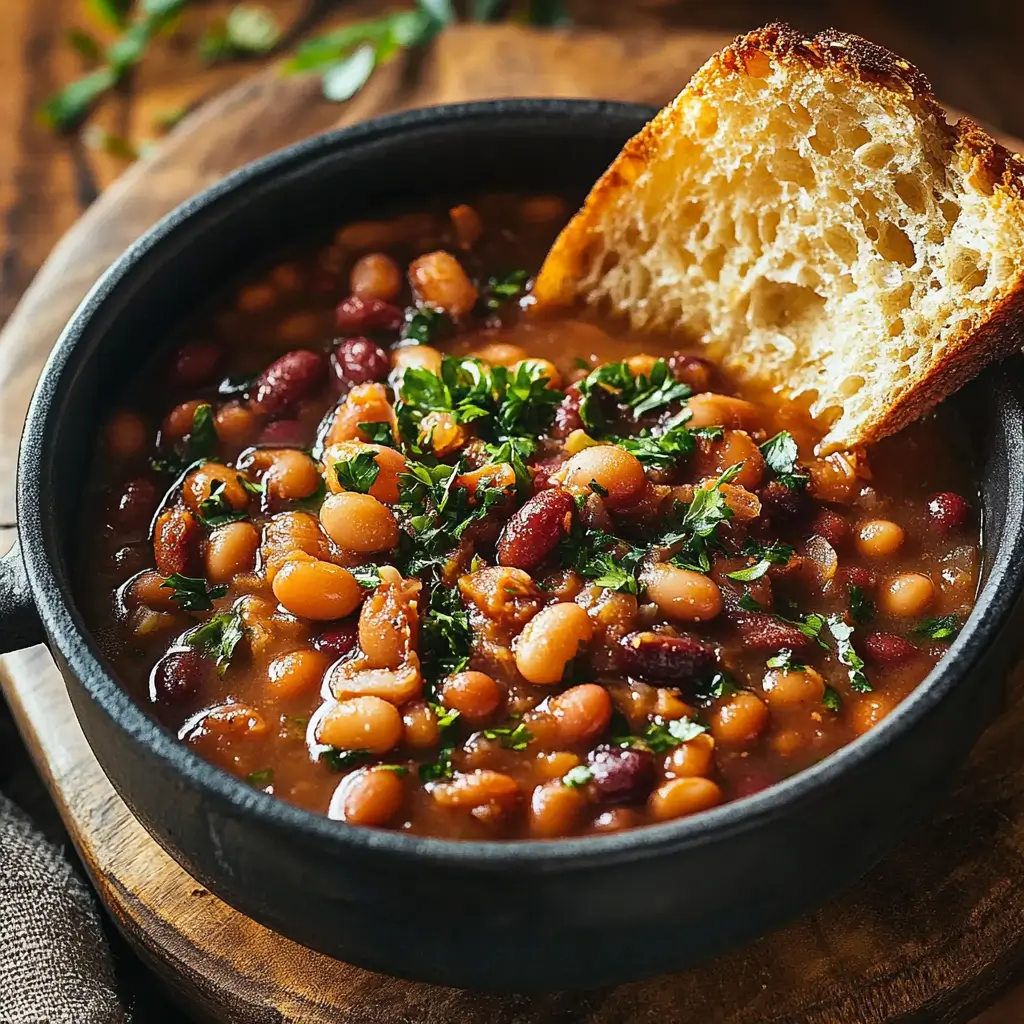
pixel 780 454
pixel 576 777
pixel 447 638
pixel 831 700
pixel 502 287
pixel 659 735
pixel 784 661
pixel 661 451
pixel 217 638
pixel 638 392
pixel 202 439
pixel 699 522
pixel 192 594
pixel 767 555
pixel 862 608
pixel 217 510
pixel 749 604
pixel 944 628
pixel 359 473
pixel 720 685
pixel 512 737
pixel 339 760
pixel 842 632
pixel 367 576
pixel 423 325
pixel 261 778
pixel 379 432
pixel 442 768
pixel 395 769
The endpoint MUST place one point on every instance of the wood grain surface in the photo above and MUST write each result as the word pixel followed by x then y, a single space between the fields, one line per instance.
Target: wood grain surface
pixel 927 936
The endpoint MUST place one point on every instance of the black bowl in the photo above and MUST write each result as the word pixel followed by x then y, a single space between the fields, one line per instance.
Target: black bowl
pixel 513 915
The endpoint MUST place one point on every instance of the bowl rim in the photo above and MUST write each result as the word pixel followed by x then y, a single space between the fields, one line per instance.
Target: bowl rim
pixel 71 640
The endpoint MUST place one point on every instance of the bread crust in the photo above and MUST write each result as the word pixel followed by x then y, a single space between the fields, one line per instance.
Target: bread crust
pixel 989 167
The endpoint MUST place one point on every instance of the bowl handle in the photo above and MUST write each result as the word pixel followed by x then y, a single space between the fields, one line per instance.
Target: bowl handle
pixel 20 625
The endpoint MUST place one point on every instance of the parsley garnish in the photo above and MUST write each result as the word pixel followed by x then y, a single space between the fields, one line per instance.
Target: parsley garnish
pixel 831 700
pixel 423 325
pixel 661 736
pixel 784 661
pixel 192 594
pixel 358 473
pixel 842 632
pixel 447 637
pixel 216 510
pixel 202 439
pixel 944 628
pixel 367 576
pixel 780 453
pixel 513 737
pixel 862 609
pixel 261 778
pixel 442 768
pixel 505 286
pixel 662 451
pixel 338 760
pixel 218 637
pixel 720 685
pixel 699 523
pixel 641 393
pixel 767 555
pixel 749 604
pixel 379 433
pixel 576 777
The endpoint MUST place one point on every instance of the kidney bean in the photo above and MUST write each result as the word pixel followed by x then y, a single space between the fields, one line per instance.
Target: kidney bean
pixel 359 361
pixel 176 543
pixel 534 530
pixel 339 640
pixel 780 502
pixel 195 363
pixel 948 511
pixel 567 414
pixel 832 526
pixel 621 775
pixel 133 508
pixel 761 632
pixel 681 659
pixel 355 315
pixel 858 576
pixel 287 381
pixel 285 434
pixel 177 676
pixel 543 470
pixel 888 648
pixel 692 370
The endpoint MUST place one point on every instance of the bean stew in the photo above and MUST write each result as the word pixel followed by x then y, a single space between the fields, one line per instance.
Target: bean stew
pixel 381 540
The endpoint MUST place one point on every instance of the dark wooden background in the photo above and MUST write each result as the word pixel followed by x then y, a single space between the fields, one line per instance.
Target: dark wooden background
pixel 46 181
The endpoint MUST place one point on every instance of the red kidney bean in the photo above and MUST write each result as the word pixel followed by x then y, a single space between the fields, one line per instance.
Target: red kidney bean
pixel 655 656
pixel 692 370
pixel 621 775
pixel 780 502
pixel 285 434
pixel 339 640
pixel 177 676
pixel 761 632
pixel 133 508
pixel 176 543
pixel 195 363
pixel 858 576
pixel 832 526
pixel 948 511
pixel 534 530
pixel 543 470
pixel 751 782
pixel 355 316
pixel 287 381
pixel 888 648
pixel 359 361
pixel 567 414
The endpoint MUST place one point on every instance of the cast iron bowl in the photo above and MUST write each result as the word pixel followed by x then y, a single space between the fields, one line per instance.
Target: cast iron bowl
pixel 515 915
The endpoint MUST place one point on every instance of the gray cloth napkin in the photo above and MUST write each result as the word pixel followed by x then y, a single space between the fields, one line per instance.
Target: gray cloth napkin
pixel 55 967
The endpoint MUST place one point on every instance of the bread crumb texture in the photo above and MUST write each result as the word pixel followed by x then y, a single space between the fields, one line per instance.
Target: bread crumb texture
pixel 804 209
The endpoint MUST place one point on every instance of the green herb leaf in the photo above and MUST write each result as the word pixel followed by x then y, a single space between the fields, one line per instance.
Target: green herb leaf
pixel 202 439
pixel 367 576
pixel 218 637
pixel 576 777
pixel 661 736
pixel 831 700
pixel 513 737
pixel 780 453
pixel 379 433
pixel 767 555
pixel 720 685
pixel 109 13
pixel 842 632
pixel 347 77
pixel 447 638
pixel 69 107
pixel 661 451
pixel 261 778
pixel 548 14
pixel 944 628
pixel 87 46
pixel 192 594
pixel 641 393
pixel 252 28
pixel 784 661
pixel 423 325
pixel 447 724
pixel 339 760
pixel 748 604
pixel 503 287
pixel 359 473
pixel 395 769
pixel 216 510
pixel 862 609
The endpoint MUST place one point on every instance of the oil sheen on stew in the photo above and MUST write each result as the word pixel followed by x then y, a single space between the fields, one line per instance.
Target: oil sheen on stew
pixel 379 542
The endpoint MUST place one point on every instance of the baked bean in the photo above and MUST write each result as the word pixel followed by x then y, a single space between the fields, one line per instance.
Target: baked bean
pixel 236 424
pixel 195 364
pixel 231 549
pixel 358 361
pixel 711 410
pixel 177 676
pixel 234 720
pixel 365 403
pixel 677 798
pixel 879 538
pixel 133 508
pixel 582 713
pixel 397 686
pixel 551 639
pixel 442 433
pixel 126 435
pixel 489 796
pixel 390 466
pixel 554 765
pixel 421 357
pixel 290 475
pixel 869 711
pixel 201 483
pixel 289 533
pixel 739 719
pixel 499 353
pixel 376 276
pixel 287 381
pixel 713 458
pixel 467 225
pixel 539 368
pixel 420 722
pixel 621 774
pixel 785 688
pixel 438 280
pixel 834 478
pixel 948 511
pixel 296 674
pixel 312 589
pixel 256 298
pixel 359 522
pixel 361 723
pixel 641 364
pixel 681 594
pixel 178 422
pixel 695 371
pixel 339 641
pixel 388 623
pixel 554 810
pixel 475 695
pixel 288 277
pixel 615 819
pixel 692 758
pixel 618 475
pixel 148 588
pixel 355 315
pixel 370 796
pixel 906 595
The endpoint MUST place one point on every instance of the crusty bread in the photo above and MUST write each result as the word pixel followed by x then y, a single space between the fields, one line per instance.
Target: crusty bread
pixel 804 208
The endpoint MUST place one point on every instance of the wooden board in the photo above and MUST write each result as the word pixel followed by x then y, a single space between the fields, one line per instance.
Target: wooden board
pixel 927 936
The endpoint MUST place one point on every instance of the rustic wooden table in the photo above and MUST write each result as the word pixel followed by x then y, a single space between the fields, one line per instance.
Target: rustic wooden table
pixel 46 181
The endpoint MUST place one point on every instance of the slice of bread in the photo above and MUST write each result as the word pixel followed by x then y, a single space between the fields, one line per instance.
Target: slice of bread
pixel 804 208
